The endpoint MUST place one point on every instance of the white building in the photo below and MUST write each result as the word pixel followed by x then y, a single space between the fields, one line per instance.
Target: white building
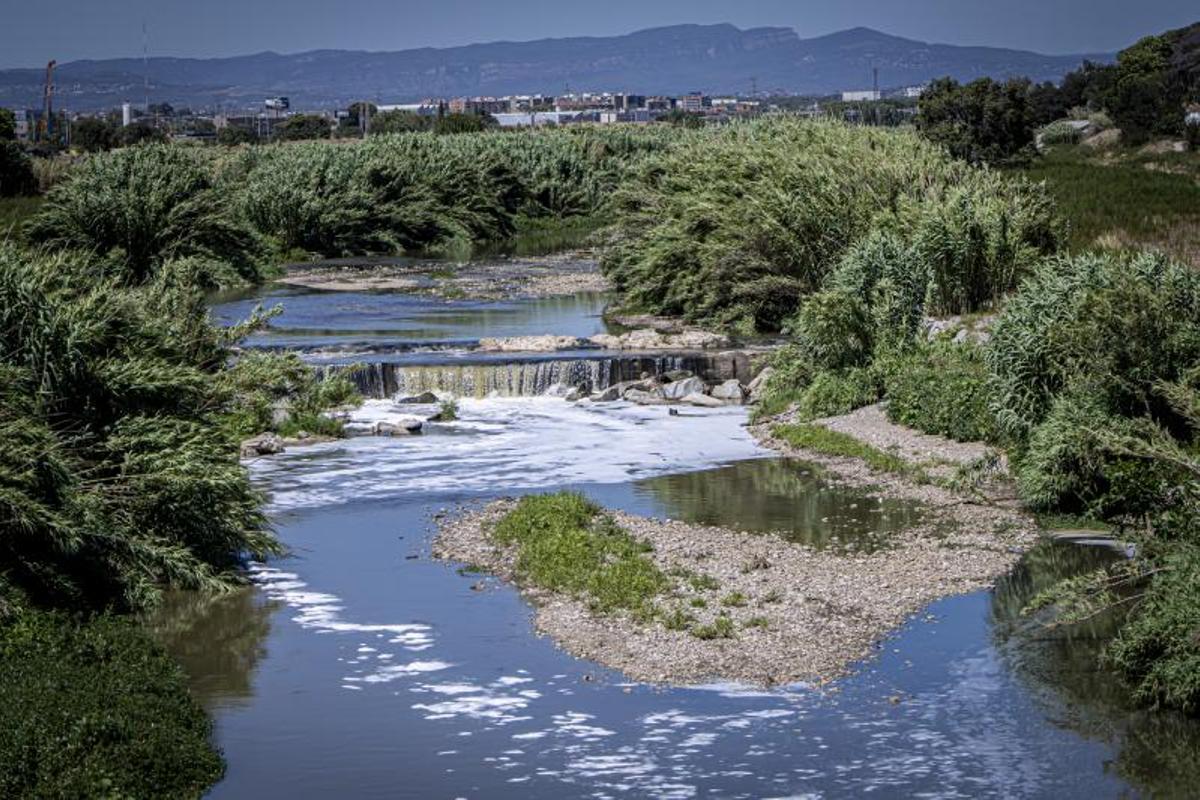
pixel 860 97
pixel 912 92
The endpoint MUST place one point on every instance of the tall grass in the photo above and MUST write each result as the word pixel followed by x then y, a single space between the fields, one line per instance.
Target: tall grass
pixel 737 226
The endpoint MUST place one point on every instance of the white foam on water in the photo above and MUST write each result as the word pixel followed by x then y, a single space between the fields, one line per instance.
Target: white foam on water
pixel 506 443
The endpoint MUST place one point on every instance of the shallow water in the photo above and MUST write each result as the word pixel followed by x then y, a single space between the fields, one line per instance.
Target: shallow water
pixel 372 320
pixel 782 496
pixel 359 667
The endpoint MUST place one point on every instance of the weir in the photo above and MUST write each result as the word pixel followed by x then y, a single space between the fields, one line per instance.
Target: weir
pixel 533 377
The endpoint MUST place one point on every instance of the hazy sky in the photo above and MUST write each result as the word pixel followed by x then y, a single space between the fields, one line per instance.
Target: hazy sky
pixel 34 31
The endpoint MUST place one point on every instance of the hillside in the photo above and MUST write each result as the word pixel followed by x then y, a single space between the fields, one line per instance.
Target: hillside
pixel 712 58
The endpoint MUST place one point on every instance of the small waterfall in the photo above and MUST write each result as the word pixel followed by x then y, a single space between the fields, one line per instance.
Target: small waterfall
pixel 533 377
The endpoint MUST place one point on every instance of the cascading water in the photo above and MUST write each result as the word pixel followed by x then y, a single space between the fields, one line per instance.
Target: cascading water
pixel 533 377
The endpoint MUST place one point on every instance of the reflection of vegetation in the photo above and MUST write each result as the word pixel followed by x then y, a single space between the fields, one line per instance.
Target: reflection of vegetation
pixel 217 639
pixel 1157 751
pixel 779 495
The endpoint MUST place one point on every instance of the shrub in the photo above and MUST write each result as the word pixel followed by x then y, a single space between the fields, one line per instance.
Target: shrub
pixel 16 171
pixel 142 207
pixel 280 392
pixel 96 709
pixel 940 388
pixel 116 478
pixel 834 393
pixel 1059 133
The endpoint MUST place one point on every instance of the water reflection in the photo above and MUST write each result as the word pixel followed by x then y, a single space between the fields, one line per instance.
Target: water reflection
pixel 1061 667
pixel 218 639
pixel 783 496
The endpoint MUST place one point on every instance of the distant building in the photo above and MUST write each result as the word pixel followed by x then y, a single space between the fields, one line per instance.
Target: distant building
pixel 912 92
pixel 537 119
pixel 694 103
pixel 628 102
pixel 478 105
pixel 428 108
pixel 861 97
pixel 25 123
pixel 126 115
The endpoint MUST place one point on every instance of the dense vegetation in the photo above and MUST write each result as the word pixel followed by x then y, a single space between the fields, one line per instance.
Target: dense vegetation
pixel 94 709
pixel 738 226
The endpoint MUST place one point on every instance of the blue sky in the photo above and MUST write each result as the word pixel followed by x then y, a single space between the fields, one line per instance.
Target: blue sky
pixel 33 31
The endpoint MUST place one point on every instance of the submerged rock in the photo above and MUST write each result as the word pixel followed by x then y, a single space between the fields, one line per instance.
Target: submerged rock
pixel 408 427
pixel 532 344
pixel 422 399
pixel 645 398
pixel 653 340
pixel 703 401
pixel 265 444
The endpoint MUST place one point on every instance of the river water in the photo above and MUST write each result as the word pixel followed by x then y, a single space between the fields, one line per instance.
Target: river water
pixel 360 667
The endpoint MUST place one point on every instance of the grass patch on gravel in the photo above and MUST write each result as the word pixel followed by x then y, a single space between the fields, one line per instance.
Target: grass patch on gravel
pixel 567 544
pixel 832 443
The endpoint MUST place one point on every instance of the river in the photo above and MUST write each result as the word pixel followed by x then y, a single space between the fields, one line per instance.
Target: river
pixel 360 667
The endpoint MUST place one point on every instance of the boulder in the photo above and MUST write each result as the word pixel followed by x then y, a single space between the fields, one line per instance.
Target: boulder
pixel 406 427
pixel 676 375
pixel 574 396
pixel 730 391
pixel 609 395
pixel 677 390
pixel 703 401
pixel 558 390
pixel 422 399
pixel 759 383
pixel 265 444
pixel 644 398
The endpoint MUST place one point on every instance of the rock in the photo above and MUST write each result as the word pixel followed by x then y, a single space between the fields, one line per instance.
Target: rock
pixel 1103 140
pixel 422 399
pixel 676 375
pixel 265 444
pixel 703 401
pixel 532 344
pixel 574 396
pixel 407 427
pixel 759 383
pixel 609 395
pixel 647 339
pixel 644 398
pixel 558 390
pixel 281 413
pixel 677 390
pixel 730 392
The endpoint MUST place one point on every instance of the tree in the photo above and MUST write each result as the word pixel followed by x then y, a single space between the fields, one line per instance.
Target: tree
pixel 140 133
pixel 8 125
pixel 301 127
pixel 983 122
pixel 16 171
pixel 94 135
pixel 232 135
pixel 400 122
pixel 464 123
pixel 682 119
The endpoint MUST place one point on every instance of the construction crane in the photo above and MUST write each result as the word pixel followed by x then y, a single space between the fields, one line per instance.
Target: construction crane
pixel 47 124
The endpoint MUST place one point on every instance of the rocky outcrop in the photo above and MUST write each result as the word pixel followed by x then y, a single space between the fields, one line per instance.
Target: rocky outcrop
pixel 681 389
pixel 422 399
pixel 265 444
pixel 730 392
pixel 648 339
pixel 759 384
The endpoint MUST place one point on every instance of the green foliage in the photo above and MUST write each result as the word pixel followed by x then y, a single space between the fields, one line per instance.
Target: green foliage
pixel 566 544
pixel 142 207
pixel 1101 325
pixel 96 709
pixel 233 135
pixel 280 392
pixel 301 127
pixel 940 388
pixel 94 134
pixel 983 122
pixel 737 225
pixel 115 479
pixel 16 170
pixel 719 628
pixel 1159 648
pixel 1059 132
pixel 8 125
pixel 833 393
pixel 821 440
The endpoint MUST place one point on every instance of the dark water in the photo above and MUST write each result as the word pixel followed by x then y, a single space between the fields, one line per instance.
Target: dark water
pixel 773 495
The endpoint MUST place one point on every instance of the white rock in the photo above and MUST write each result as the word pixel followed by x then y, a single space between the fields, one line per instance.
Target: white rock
pixel 730 391
pixel 681 389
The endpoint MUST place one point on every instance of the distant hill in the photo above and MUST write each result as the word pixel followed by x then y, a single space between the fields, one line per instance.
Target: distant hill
pixel 676 59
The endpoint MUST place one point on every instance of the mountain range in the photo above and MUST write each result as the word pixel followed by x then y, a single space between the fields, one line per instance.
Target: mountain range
pixel 669 60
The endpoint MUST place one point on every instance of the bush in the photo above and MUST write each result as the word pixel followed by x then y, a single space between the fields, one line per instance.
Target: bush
pixel 116 478
pixel 983 122
pixel 279 392
pixel 940 388
pixel 142 207
pixel 834 393
pixel 16 171
pixel 1108 325
pixel 1059 133
pixel 96 709
pixel 736 225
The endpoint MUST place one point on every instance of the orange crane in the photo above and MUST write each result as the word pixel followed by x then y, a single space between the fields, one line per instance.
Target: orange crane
pixel 47 125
